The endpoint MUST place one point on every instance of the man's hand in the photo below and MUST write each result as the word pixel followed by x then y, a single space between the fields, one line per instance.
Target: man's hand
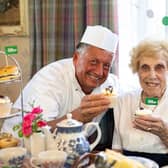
pixel 90 107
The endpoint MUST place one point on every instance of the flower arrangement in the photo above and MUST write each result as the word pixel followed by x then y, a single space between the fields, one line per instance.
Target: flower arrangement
pixel 32 122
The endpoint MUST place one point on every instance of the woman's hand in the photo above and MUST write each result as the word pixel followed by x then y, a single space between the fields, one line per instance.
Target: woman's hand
pixel 154 125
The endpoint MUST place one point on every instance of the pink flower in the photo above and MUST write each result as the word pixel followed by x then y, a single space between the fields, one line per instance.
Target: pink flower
pixel 41 123
pixel 32 122
pixel 29 117
pixel 27 120
pixel 37 110
pixel 26 124
pixel 27 131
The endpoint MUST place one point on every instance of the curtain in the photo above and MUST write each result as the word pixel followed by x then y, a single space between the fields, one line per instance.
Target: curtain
pixel 56 26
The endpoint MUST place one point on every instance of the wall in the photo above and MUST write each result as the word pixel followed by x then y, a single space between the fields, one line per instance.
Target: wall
pixel 13 89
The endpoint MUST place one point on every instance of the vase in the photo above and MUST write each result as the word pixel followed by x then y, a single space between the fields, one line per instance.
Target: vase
pixel 35 143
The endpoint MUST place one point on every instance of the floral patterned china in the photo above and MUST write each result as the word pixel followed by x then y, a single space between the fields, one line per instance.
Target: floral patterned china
pixel 12 157
pixel 49 159
pixel 70 136
pixel 146 162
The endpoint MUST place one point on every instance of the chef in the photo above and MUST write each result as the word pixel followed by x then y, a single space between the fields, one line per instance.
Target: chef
pixel 75 85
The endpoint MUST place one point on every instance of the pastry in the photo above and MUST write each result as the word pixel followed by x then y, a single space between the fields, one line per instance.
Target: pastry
pixel 7 140
pixel 143 112
pixel 9 72
pixel 111 93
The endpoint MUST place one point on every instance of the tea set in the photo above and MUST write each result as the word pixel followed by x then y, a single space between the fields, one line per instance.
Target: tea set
pixel 12 156
pixel 70 136
pixel 62 146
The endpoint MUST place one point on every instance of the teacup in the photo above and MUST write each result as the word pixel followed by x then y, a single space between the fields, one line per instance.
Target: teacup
pixel 49 159
pixel 12 157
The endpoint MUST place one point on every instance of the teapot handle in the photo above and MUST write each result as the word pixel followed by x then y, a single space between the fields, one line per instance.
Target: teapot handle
pixel 95 124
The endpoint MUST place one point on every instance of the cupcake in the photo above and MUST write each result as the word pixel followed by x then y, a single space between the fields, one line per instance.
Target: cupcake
pixel 5 106
pixel 143 112
pixel 112 94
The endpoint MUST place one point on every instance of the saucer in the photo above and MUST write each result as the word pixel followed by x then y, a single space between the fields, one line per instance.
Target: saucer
pixel 14 112
pixel 146 162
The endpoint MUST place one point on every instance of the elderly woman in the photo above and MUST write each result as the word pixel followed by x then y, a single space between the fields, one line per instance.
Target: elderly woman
pixel 145 134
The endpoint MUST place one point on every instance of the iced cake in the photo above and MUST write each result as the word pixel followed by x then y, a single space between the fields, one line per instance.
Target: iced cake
pixel 112 94
pixel 5 106
pixel 143 112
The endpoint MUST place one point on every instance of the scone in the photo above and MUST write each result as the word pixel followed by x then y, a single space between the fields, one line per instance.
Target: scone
pixel 112 94
pixel 7 140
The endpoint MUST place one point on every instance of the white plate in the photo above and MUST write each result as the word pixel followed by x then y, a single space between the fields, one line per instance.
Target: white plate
pixel 14 112
pixel 146 162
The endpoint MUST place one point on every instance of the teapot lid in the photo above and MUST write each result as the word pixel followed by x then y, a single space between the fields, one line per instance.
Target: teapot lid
pixel 69 122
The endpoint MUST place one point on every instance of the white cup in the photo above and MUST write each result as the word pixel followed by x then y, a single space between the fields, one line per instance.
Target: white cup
pixel 49 159
pixel 12 157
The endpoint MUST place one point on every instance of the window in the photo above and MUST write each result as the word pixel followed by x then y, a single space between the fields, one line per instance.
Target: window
pixel 138 19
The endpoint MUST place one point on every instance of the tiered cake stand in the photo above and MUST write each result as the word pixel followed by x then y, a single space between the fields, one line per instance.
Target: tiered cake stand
pixel 18 79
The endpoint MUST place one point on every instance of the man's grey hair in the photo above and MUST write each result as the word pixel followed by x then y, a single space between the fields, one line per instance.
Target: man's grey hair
pixel 81 48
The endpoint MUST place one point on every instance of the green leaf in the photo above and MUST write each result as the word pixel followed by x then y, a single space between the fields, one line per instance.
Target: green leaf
pixel 16 127
pixel 34 127
pixel 20 134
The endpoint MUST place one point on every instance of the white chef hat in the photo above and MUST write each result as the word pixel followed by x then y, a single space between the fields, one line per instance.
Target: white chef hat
pixel 100 37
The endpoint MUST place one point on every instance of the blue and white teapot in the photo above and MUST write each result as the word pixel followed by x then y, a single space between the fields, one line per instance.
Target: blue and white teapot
pixel 70 136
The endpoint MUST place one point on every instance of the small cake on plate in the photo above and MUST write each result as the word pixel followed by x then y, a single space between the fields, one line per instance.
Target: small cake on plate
pixel 8 73
pixel 109 91
pixel 143 112
pixel 5 106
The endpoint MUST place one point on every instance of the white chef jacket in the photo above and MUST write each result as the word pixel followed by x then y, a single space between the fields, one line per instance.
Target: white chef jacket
pixel 55 89
pixel 132 139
